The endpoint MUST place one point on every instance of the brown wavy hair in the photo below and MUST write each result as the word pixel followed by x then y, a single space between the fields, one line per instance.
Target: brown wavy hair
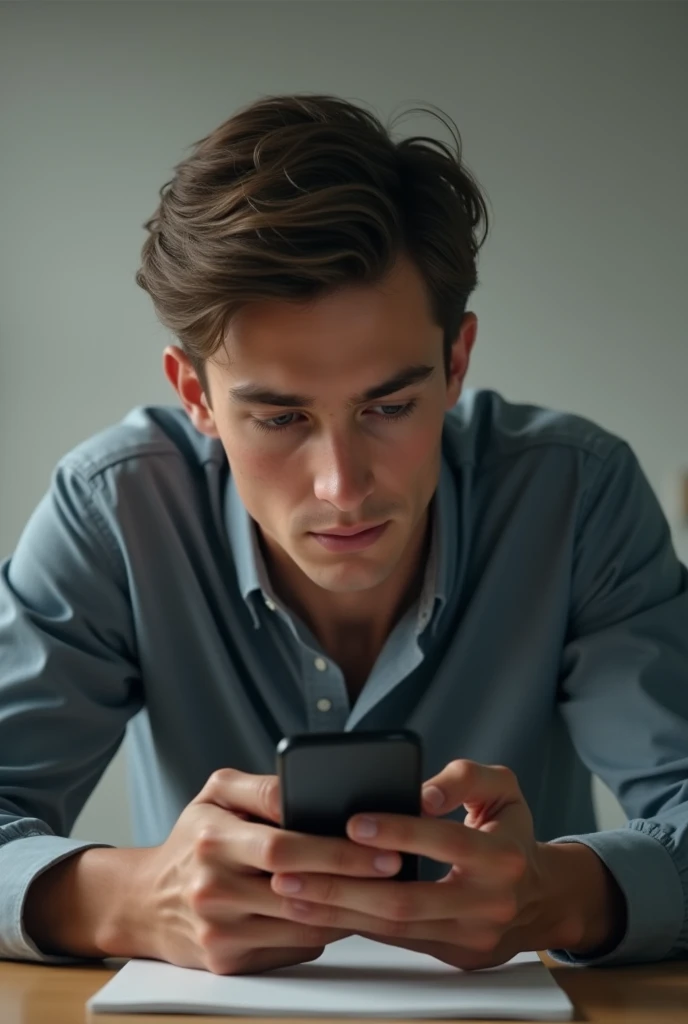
pixel 297 195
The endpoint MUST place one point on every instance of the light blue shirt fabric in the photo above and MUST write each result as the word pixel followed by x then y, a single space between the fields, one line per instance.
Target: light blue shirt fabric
pixel 551 635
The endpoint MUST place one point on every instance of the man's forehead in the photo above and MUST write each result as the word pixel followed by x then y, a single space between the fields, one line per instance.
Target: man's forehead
pixel 393 313
pixel 368 355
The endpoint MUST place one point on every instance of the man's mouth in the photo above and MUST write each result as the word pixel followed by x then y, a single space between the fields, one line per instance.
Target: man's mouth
pixel 351 538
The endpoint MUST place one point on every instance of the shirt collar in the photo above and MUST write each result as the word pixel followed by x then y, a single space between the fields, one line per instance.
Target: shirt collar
pixel 441 569
pixel 252 574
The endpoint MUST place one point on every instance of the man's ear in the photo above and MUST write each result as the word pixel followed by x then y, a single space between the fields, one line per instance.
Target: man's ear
pixel 182 376
pixel 460 357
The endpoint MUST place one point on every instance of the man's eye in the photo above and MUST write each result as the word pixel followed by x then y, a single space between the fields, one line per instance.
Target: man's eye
pixel 287 419
pixel 396 412
pixel 275 422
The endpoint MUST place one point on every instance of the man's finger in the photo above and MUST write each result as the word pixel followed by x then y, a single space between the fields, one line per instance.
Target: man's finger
pixel 253 898
pixel 256 795
pixel 267 959
pixel 448 842
pixel 487 792
pixel 269 849
pixel 480 788
pixel 451 953
pixel 446 931
pixel 399 901
pixel 273 932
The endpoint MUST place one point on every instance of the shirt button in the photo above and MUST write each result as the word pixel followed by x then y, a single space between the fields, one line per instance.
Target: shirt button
pixel 324 704
pixel 269 604
pixel 320 664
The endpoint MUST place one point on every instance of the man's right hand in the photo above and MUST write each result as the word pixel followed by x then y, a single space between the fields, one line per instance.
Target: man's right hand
pixel 202 898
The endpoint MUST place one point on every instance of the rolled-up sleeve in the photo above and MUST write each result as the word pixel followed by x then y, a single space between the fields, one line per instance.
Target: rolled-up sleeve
pixel 69 683
pixel 624 696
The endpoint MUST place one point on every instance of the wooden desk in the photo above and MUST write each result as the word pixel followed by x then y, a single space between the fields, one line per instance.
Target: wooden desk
pixel 652 994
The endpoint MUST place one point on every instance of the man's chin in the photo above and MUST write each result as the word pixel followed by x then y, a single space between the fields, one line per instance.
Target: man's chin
pixel 345 579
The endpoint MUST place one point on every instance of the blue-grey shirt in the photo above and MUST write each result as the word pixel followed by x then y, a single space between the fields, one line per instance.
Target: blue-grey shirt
pixel 551 635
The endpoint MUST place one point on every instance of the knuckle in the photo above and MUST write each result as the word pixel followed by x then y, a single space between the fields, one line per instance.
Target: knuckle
pixel 198 894
pixel 208 936
pixel 271 850
pixel 218 782
pixel 205 843
pixel 461 768
pixel 404 829
pixel 519 867
pixel 508 780
pixel 399 908
pixel 330 888
pixel 515 864
pixel 343 859
pixel 505 910
pixel 266 795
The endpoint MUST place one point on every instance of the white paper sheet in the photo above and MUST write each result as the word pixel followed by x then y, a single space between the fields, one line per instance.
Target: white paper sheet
pixel 355 977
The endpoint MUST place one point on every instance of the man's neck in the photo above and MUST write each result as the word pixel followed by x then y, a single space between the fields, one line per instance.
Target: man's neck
pixel 358 622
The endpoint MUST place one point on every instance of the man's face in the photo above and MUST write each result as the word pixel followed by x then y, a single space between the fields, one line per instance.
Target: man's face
pixel 312 448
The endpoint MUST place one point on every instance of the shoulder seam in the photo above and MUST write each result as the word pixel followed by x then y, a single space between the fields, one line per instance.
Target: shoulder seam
pixel 587 496
pixel 589 447
pixel 112 553
pixel 89 469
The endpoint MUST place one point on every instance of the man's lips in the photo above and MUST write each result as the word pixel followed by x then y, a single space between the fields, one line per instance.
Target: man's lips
pixel 357 537
pixel 347 531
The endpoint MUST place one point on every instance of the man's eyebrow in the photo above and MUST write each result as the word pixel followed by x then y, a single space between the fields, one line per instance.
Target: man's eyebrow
pixel 404 379
pixel 254 394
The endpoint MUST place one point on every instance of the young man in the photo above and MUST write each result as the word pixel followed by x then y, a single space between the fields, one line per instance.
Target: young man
pixel 331 533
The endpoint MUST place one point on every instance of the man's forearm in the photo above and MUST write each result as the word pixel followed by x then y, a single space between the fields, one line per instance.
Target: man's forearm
pixel 584 911
pixel 84 906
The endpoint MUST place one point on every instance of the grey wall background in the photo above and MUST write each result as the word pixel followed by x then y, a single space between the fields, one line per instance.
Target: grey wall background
pixel 572 117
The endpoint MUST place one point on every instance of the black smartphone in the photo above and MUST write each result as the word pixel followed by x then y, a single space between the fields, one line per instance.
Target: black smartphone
pixel 327 777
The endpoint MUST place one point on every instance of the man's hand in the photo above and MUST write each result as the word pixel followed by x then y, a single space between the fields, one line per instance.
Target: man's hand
pixel 504 892
pixel 203 898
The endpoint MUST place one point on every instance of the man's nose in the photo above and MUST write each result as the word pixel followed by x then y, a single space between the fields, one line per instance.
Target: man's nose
pixel 343 475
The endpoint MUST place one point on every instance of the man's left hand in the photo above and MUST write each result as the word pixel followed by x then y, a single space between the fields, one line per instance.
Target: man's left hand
pixel 496 899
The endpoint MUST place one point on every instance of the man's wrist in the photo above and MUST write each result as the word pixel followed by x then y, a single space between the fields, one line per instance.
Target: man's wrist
pixel 583 907
pixel 84 906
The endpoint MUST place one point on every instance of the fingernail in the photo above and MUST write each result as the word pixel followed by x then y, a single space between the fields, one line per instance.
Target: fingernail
pixel 365 828
pixel 433 797
pixel 289 883
pixel 386 863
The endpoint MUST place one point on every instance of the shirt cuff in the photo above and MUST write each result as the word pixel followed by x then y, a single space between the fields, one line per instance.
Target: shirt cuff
pixel 646 873
pixel 21 862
